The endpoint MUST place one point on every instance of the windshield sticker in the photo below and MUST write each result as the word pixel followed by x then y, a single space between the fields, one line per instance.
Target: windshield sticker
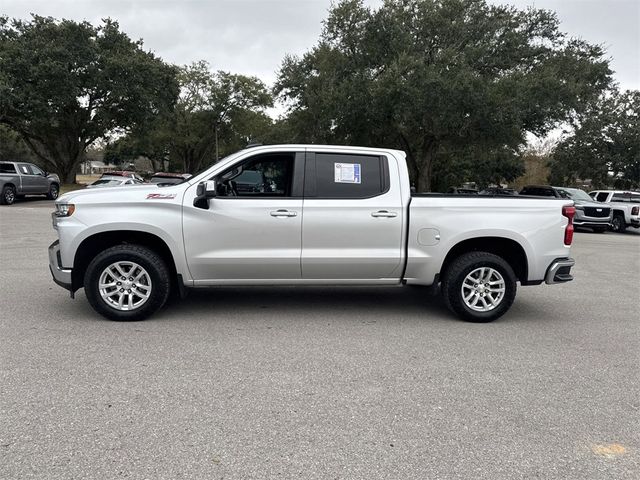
pixel 161 196
pixel 347 172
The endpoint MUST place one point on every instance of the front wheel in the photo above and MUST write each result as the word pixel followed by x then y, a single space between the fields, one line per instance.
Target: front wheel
pixel 618 224
pixel 479 286
pixel 127 282
pixel 54 191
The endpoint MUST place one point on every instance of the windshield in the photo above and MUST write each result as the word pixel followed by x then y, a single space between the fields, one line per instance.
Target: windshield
pixel 577 194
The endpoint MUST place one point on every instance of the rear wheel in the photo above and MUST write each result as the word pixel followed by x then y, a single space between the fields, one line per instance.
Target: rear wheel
pixel 479 286
pixel 127 282
pixel 618 224
pixel 8 195
pixel 54 191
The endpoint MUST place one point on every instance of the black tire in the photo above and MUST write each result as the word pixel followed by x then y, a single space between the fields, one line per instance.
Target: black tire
pixel 8 195
pixel 54 191
pixel 618 224
pixel 146 258
pixel 455 275
pixel 599 229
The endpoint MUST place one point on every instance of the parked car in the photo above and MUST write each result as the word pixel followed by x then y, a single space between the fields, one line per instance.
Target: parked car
pixel 498 191
pixel 18 179
pixel 166 178
pixel 588 213
pixel 124 173
pixel 625 206
pixel 321 215
pixel 116 179
pixel 462 191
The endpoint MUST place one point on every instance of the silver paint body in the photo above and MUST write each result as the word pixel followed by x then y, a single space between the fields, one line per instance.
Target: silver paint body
pixel 251 241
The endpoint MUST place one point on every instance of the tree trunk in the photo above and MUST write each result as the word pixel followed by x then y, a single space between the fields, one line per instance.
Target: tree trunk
pixel 68 167
pixel 424 165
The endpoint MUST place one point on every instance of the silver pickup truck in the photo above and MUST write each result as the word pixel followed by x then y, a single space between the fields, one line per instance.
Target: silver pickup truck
pixel 18 179
pixel 305 215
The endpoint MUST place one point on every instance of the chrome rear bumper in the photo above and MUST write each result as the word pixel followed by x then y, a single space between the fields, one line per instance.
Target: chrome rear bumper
pixel 560 271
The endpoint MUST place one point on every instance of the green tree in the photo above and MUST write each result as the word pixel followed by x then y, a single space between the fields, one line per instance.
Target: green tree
pixel 434 76
pixel 13 148
pixel 473 163
pixel 64 84
pixel 151 140
pixel 604 145
pixel 214 113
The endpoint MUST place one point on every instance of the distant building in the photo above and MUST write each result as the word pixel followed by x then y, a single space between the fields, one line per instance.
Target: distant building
pixel 95 167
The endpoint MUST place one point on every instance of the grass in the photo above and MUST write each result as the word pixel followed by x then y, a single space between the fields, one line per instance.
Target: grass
pixel 83 181
pixel 70 187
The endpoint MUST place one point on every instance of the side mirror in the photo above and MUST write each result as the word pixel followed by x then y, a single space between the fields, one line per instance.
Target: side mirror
pixel 204 192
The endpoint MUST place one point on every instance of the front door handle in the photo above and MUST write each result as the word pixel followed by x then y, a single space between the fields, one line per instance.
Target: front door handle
pixel 384 213
pixel 283 213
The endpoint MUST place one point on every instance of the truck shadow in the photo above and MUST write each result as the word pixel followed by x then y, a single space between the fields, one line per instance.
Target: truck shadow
pixel 365 304
pixel 312 300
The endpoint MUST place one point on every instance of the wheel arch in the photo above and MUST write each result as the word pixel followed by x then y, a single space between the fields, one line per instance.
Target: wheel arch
pixel 508 249
pixel 98 242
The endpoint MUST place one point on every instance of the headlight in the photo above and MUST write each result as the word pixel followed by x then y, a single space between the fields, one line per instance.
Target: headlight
pixel 64 209
pixel 579 207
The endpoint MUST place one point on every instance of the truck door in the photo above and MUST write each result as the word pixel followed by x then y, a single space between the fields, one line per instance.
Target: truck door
pixel 352 218
pixel 29 179
pixel 41 183
pixel 252 229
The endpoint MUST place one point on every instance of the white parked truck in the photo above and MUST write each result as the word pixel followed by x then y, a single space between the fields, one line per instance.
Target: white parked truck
pixel 305 215
pixel 625 207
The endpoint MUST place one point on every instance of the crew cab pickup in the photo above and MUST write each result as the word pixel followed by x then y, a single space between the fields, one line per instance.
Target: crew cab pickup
pixel 625 206
pixel 18 179
pixel 306 215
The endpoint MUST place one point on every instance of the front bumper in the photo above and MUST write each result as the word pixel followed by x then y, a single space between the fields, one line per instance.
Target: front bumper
pixel 583 220
pixel 592 223
pixel 62 276
pixel 559 271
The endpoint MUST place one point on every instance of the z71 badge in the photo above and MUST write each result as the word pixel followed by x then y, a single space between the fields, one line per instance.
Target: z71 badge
pixel 161 196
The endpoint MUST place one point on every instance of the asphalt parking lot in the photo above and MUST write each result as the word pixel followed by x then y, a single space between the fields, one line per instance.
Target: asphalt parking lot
pixel 362 383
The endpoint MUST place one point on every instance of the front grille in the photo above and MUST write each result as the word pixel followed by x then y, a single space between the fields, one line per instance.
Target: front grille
pixel 596 211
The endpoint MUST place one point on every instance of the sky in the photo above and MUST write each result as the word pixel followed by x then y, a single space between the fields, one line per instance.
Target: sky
pixel 252 36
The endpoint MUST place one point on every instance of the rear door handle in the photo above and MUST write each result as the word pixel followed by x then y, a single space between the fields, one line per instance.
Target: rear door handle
pixel 384 213
pixel 283 213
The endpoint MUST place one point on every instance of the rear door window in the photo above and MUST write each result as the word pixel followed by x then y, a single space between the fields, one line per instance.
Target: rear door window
pixel 25 169
pixel 627 197
pixel 602 196
pixel 332 175
pixel 7 168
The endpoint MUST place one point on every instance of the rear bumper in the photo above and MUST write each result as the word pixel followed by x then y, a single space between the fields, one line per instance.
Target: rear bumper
pixel 62 276
pixel 559 271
